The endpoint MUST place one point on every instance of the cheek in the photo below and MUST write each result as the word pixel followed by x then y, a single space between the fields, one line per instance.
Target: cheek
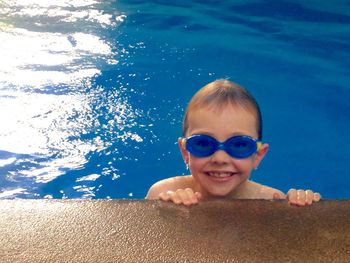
pixel 245 165
pixel 196 164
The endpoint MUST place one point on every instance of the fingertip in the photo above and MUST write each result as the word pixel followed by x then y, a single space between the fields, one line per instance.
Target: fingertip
pixel 187 203
pixel 163 196
pixel 198 195
pixel 294 201
pixel 278 196
pixel 317 197
pixel 301 202
pixel 177 201
pixel 308 202
pixel 194 199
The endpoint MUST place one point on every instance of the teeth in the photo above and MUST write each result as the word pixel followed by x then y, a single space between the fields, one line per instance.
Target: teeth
pixel 220 175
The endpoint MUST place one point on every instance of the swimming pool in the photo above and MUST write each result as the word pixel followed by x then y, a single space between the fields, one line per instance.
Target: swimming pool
pixel 92 92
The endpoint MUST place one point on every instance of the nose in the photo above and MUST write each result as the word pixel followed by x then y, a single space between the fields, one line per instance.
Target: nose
pixel 220 156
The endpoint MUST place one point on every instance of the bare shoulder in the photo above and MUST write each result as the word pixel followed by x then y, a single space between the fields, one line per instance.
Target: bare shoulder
pixel 260 191
pixel 169 184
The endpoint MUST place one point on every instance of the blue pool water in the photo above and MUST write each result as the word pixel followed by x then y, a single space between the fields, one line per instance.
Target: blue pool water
pixel 92 92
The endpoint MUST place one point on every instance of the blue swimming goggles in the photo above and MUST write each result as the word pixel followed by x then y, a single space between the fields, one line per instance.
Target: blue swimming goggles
pixel 239 147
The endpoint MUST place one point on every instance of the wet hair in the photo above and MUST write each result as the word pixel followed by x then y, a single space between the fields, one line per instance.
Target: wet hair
pixel 219 94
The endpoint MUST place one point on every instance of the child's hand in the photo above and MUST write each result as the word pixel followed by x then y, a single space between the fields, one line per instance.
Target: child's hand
pixel 181 196
pixel 300 197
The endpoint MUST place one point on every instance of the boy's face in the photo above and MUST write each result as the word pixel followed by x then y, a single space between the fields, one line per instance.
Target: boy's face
pixel 220 174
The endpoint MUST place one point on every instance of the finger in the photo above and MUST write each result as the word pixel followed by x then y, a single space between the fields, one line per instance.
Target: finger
pixel 309 197
pixel 191 197
pixel 317 197
pixel 185 196
pixel 165 196
pixel 198 195
pixel 292 196
pixel 301 196
pixel 182 196
pixel 176 196
pixel 278 196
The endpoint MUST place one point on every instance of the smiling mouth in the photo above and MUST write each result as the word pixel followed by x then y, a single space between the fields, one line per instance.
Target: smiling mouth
pixel 220 174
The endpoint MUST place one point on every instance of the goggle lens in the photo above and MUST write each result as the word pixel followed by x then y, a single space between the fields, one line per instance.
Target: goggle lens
pixel 238 146
pixel 201 145
pixel 241 146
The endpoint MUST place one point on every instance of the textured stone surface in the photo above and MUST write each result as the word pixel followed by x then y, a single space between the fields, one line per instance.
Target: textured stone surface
pixel 152 231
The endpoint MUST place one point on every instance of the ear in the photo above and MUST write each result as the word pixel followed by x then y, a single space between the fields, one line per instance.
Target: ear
pixel 182 145
pixel 260 155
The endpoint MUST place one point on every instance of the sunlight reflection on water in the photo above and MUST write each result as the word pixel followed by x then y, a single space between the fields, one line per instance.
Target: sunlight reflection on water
pixel 46 101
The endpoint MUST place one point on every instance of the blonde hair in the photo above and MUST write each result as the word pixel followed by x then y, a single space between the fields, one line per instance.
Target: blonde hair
pixel 220 93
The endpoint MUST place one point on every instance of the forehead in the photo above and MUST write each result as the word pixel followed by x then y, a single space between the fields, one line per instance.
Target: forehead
pixel 223 121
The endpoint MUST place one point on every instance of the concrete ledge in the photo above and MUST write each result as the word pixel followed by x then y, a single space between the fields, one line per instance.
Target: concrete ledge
pixel 153 231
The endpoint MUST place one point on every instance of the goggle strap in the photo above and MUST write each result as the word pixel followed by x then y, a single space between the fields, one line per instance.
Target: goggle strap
pixel 183 142
pixel 259 144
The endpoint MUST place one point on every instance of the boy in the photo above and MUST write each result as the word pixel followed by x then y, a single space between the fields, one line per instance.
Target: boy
pixel 222 132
